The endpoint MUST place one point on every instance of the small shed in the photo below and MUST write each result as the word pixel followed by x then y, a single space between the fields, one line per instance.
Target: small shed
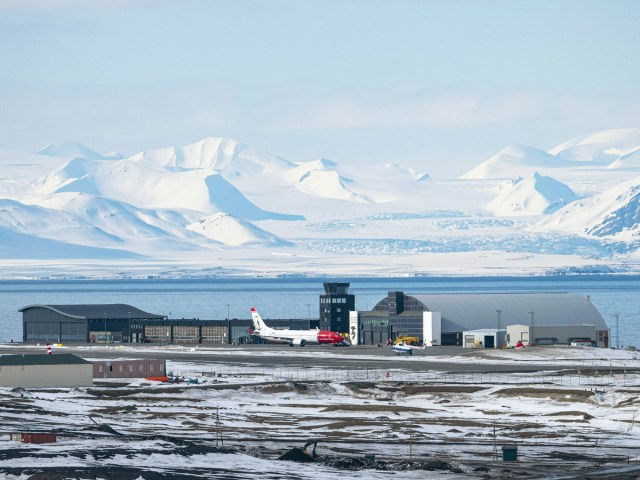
pixel 484 338
pixel 42 370
pixel 509 453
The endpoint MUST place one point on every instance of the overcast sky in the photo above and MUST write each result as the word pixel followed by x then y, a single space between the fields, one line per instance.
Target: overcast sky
pixel 437 85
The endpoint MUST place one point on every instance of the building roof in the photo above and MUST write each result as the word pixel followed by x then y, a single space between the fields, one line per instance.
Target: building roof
pixel 42 359
pixel 461 312
pixel 97 311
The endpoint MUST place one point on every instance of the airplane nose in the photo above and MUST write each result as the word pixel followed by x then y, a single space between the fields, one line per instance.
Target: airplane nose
pixel 337 338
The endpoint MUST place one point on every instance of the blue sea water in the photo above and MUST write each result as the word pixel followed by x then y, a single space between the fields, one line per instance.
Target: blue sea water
pixel 299 297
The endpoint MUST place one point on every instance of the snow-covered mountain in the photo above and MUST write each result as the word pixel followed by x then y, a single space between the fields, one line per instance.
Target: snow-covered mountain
pixel 586 152
pixel 629 160
pixel 213 153
pixel 513 161
pixel 75 150
pixel 54 223
pixel 535 195
pixel 614 213
pixel 146 183
pixel 320 178
pixel 599 147
pixel 233 231
pixel 15 245
pixel 223 204
pixel 413 174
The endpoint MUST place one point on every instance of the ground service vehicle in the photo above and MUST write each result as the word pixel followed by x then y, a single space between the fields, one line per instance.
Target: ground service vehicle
pixel 407 340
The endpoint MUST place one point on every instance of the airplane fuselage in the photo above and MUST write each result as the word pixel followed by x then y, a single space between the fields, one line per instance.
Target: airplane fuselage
pixel 295 337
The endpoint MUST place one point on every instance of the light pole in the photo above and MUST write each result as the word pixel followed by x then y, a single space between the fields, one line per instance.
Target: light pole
pixel 309 313
pixel 105 327
pixel 531 336
pixel 499 312
pixel 617 315
pixel 228 305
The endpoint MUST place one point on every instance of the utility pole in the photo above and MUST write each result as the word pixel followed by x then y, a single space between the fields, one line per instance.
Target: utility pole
pixel 228 305
pixel 617 315
pixel 309 312
pixel 498 342
pixel 531 335
pixel 410 444
pixel 218 430
pixel 495 445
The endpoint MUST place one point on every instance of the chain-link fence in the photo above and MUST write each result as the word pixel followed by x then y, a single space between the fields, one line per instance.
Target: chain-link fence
pixel 586 376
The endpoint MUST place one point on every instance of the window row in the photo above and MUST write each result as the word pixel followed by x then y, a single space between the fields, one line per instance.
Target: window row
pixel 332 300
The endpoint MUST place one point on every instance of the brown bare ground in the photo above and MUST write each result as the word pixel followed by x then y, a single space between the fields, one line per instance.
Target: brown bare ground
pixel 570 413
pixel 557 394
pixel 437 389
pixel 374 408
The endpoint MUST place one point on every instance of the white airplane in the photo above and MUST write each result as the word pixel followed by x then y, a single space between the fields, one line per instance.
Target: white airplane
pixel 404 348
pixel 294 337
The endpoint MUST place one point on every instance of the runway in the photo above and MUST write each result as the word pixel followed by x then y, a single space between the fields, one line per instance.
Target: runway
pixel 440 359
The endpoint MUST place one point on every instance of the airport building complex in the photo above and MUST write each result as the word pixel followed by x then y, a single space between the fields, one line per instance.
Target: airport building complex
pixel 447 319
pixel 489 320
pixel 121 323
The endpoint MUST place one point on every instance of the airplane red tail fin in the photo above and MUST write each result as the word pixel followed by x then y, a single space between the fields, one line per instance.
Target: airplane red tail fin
pixel 250 331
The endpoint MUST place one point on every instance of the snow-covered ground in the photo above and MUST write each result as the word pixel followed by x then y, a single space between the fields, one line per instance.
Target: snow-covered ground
pixel 220 204
pixel 563 421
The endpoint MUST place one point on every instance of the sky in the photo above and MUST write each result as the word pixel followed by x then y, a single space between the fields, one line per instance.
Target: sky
pixel 437 85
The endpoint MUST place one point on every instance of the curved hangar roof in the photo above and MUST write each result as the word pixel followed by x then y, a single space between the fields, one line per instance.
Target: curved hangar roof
pixel 462 312
pixel 93 311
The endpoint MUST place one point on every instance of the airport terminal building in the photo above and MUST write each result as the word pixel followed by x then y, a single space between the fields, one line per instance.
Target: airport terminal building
pixel 443 319
pixel 122 323
pixel 469 320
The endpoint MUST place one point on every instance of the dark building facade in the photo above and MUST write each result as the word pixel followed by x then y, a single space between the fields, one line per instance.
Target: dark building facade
pixel 335 305
pixel 121 323
pixel 98 323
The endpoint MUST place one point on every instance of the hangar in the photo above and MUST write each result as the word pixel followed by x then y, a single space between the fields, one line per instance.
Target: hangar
pixel 101 323
pixel 35 370
pixel 122 323
pixel 441 319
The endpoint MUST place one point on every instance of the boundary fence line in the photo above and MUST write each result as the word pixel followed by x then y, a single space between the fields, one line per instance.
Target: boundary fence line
pixel 603 377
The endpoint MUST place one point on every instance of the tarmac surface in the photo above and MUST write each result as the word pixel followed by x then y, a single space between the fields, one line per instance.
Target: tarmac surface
pixel 284 356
